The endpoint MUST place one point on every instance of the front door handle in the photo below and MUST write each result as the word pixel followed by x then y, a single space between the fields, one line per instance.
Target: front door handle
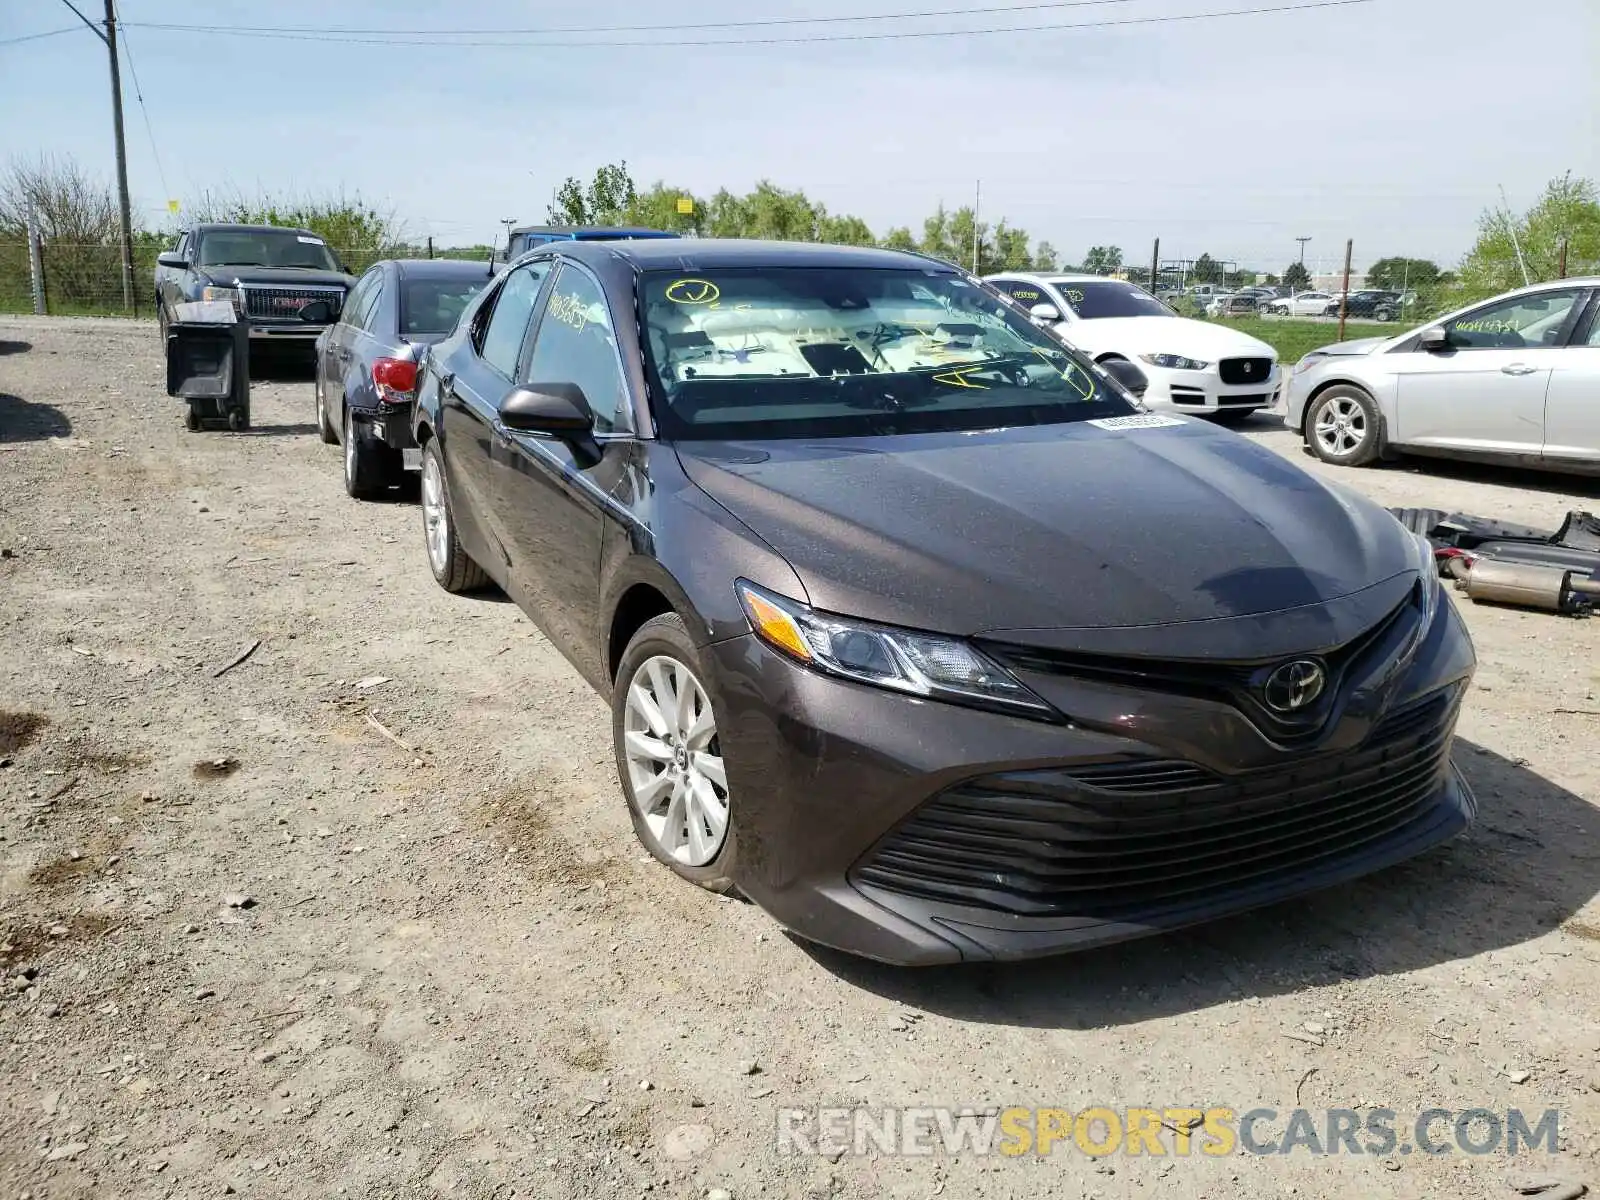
pixel 1517 369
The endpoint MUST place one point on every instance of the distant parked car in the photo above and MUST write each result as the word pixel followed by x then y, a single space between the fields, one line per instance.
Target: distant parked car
pixel 1193 365
pixel 267 272
pixel 366 368
pixel 1511 379
pixel 526 237
pixel 1369 303
pixel 1240 305
pixel 1305 304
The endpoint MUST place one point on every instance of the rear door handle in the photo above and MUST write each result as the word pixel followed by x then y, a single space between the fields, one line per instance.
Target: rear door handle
pixel 1518 369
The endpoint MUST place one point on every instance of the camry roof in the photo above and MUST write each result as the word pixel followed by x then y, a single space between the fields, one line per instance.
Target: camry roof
pixel 713 253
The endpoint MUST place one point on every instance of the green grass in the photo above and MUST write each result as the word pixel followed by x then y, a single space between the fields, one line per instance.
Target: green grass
pixel 1292 339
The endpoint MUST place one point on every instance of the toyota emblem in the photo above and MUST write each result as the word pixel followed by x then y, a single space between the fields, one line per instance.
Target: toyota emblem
pixel 1294 686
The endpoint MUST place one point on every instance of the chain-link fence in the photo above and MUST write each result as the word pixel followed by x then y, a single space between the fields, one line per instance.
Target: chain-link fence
pixel 75 279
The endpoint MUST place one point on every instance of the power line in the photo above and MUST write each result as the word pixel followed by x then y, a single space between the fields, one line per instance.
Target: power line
pixel 34 37
pixel 144 109
pixel 503 44
pixel 675 26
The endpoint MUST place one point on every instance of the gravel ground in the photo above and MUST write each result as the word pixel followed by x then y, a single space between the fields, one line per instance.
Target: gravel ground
pixel 251 944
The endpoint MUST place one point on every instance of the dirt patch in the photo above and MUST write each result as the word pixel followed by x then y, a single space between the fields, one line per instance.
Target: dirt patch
pixel 215 768
pixel 1584 930
pixel 24 943
pixel 524 826
pixel 111 763
pixel 18 729
pixel 581 1047
pixel 60 870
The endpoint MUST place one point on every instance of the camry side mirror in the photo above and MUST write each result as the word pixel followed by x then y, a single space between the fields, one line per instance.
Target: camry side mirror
pixel 318 312
pixel 1433 340
pixel 1045 313
pixel 1127 374
pixel 558 410
pixel 171 258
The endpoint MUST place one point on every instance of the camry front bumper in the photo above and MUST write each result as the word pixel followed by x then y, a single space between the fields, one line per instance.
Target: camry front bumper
pixel 919 832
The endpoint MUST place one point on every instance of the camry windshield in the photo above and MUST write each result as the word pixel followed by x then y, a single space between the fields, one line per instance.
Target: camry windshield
pixel 821 352
pixel 1110 299
pixel 265 248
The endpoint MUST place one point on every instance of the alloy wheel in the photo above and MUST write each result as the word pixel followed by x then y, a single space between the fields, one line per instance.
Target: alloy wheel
pixel 1341 427
pixel 674 761
pixel 349 445
pixel 435 516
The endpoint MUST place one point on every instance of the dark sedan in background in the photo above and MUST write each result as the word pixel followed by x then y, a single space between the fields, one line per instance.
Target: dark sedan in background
pixel 270 274
pixel 913 627
pixel 366 362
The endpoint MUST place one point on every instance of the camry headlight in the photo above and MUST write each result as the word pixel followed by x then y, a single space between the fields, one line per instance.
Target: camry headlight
pixel 1309 361
pixel 1173 362
pixel 231 295
pixel 903 660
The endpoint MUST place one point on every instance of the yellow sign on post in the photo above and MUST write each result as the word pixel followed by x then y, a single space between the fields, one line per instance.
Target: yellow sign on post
pixel 685 205
pixel 173 206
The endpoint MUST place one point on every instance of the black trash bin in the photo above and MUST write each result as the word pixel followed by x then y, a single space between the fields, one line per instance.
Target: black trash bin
pixel 208 365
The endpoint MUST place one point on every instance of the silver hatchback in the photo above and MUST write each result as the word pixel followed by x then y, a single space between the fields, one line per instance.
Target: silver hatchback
pixel 1514 379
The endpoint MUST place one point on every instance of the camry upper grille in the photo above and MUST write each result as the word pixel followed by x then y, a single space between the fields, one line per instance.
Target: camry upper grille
pixel 1126 841
pixel 1236 683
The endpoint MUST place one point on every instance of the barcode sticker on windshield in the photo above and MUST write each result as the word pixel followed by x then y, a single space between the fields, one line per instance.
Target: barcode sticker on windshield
pixel 1141 421
pixel 310 241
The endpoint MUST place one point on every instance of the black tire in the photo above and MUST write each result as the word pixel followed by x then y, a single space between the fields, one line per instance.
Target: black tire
pixel 1362 439
pixel 370 468
pixel 238 420
pixel 667 636
pixel 191 420
pixel 1384 314
pixel 325 429
pixel 457 572
pixel 161 324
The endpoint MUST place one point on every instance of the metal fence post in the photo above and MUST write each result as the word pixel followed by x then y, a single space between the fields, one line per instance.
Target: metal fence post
pixel 430 245
pixel 35 266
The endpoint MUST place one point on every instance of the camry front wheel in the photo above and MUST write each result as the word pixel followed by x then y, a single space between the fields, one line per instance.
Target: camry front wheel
pixel 669 755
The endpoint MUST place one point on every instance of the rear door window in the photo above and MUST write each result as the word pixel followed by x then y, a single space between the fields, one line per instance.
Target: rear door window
pixel 501 347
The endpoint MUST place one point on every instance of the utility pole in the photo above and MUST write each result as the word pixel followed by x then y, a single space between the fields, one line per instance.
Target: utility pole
pixel 1561 261
pixel 1344 299
pixel 977 203
pixel 508 222
pixel 109 37
pixel 1155 265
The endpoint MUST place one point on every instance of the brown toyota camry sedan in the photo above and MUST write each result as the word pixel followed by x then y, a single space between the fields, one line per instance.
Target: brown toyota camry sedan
pixel 915 628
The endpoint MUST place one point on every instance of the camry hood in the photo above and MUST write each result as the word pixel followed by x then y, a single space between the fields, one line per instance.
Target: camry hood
pixel 1060 527
pixel 1205 341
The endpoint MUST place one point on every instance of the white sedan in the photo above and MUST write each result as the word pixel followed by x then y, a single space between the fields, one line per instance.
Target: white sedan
pixel 1192 365
pixel 1305 304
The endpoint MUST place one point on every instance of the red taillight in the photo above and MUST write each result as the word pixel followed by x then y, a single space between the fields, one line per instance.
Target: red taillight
pixel 396 379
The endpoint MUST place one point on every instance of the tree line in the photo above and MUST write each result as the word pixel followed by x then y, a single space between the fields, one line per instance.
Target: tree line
pixel 77 216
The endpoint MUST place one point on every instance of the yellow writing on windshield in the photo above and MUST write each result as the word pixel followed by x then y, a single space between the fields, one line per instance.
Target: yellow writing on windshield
pixel 960 379
pixel 692 291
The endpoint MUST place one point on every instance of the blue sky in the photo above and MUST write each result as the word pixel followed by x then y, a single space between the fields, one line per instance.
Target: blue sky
pixel 1393 122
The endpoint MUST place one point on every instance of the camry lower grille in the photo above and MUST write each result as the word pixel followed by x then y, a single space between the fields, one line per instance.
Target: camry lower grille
pixel 1128 840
